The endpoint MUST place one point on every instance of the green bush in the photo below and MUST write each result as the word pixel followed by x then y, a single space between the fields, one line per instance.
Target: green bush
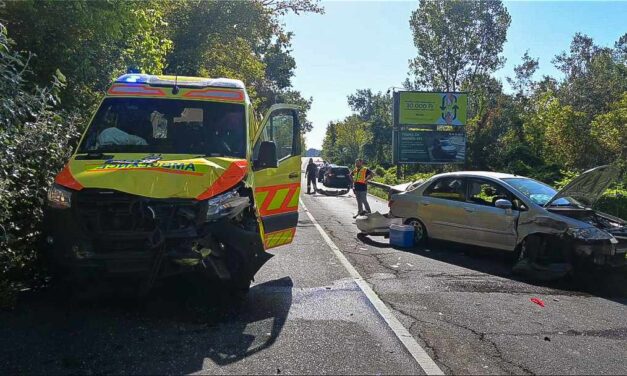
pixel 35 141
pixel 614 202
pixel 379 171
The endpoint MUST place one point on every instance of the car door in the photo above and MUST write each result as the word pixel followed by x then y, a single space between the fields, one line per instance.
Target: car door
pixel 490 226
pixel 441 208
pixel 277 188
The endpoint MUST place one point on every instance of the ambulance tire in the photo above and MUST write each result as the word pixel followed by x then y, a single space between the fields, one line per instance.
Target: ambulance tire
pixel 239 282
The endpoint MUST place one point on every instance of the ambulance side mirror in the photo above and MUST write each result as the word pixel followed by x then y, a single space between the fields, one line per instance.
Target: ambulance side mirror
pixel 267 157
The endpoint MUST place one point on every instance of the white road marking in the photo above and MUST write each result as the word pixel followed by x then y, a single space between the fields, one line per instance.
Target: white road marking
pixel 417 352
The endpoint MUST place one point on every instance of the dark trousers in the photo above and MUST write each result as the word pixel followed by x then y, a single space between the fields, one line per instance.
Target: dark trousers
pixel 362 202
pixel 311 180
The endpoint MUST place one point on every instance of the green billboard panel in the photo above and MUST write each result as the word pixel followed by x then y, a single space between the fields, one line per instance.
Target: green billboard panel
pixel 426 146
pixel 423 108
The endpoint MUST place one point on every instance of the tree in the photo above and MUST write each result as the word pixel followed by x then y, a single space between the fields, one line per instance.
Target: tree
pixel 560 134
pixel 376 110
pixel 329 143
pixel 35 141
pixel 522 82
pixel 352 135
pixel 282 7
pixel 238 39
pixel 610 132
pixel 457 42
pixel 595 77
pixel 91 42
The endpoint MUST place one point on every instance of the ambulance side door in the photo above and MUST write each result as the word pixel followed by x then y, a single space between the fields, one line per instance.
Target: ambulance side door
pixel 277 173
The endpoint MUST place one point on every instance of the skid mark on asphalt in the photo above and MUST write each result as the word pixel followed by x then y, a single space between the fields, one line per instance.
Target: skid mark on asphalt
pixel 416 351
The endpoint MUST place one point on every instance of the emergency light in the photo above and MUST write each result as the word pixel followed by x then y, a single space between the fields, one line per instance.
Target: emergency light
pixel 133 78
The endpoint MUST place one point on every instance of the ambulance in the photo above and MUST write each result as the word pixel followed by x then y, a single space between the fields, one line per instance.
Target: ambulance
pixel 175 175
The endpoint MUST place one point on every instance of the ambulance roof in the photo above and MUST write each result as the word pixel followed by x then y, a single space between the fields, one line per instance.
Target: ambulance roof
pixel 181 81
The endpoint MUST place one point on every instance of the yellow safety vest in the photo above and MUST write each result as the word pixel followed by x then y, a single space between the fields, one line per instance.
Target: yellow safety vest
pixel 360 175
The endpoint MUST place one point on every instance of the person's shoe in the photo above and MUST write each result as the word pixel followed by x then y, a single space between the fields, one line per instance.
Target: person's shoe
pixel 360 214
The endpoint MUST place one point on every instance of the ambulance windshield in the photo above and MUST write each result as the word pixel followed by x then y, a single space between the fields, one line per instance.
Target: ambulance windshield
pixel 145 125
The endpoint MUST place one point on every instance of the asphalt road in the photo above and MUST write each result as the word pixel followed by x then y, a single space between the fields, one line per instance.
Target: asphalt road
pixel 473 316
pixel 305 314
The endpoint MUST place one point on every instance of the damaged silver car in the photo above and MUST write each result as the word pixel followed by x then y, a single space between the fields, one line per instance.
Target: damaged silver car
pixel 551 231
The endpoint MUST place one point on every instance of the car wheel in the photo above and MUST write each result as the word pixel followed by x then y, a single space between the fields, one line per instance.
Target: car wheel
pixel 420 232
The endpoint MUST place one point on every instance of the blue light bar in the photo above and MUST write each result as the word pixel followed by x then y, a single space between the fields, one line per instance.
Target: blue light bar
pixel 133 78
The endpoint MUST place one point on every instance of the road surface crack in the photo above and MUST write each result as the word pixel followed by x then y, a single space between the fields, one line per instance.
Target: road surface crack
pixel 497 353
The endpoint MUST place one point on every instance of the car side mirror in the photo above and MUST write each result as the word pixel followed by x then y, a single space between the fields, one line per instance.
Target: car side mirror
pixel 267 157
pixel 503 204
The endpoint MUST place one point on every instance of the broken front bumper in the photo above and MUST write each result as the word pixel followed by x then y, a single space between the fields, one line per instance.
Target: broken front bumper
pixel 116 233
pixel 610 253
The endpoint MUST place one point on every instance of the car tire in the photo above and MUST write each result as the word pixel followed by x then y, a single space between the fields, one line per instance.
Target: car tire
pixel 420 231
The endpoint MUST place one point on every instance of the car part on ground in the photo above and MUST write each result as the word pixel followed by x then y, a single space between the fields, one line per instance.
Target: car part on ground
pixel 376 223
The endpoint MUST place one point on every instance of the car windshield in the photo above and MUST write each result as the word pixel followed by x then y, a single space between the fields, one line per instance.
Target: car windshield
pixel 143 125
pixel 539 193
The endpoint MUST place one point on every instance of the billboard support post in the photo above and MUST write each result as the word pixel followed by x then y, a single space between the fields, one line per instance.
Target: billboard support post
pixel 395 115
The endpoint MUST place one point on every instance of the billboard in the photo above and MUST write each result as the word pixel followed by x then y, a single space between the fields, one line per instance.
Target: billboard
pixel 428 108
pixel 428 146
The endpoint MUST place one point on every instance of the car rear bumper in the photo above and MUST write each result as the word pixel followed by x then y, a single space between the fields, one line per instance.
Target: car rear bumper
pixel 337 183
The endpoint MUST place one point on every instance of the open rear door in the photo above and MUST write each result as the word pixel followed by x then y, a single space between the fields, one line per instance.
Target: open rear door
pixel 277 187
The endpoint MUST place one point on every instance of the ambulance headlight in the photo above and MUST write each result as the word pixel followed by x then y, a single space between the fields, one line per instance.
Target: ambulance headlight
pixel 59 197
pixel 227 204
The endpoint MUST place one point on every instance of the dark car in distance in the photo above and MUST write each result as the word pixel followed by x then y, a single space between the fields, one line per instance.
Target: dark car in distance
pixel 337 177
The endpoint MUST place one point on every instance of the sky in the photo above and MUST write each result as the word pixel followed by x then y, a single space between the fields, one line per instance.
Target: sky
pixel 367 44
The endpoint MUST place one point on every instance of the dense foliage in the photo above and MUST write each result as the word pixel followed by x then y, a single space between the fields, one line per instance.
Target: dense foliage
pixel 35 141
pixel 62 55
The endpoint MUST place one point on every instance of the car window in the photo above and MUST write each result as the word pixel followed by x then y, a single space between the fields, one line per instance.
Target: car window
pixel 447 188
pixel 282 129
pixel 484 192
pixel 341 170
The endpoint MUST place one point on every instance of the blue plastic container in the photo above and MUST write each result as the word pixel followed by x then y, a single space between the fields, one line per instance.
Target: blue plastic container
pixel 402 235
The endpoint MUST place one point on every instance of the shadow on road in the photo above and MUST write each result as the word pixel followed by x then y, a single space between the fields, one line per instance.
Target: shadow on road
pixel 598 282
pixel 370 240
pixel 609 284
pixel 179 329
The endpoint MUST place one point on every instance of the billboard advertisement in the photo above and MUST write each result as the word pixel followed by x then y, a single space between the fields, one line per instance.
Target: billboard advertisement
pixel 427 146
pixel 428 108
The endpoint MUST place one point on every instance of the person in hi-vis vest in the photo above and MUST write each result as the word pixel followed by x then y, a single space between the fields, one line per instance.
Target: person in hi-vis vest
pixel 359 179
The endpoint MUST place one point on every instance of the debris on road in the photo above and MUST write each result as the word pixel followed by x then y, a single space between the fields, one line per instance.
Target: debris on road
pixel 538 302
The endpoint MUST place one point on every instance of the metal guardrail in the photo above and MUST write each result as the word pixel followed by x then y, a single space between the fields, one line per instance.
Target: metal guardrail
pixel 392 189
pixel 385 187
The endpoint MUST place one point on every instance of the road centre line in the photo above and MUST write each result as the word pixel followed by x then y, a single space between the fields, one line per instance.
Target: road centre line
pixel 417 352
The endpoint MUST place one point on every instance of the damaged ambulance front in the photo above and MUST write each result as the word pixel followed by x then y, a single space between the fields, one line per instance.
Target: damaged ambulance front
pixel 163 182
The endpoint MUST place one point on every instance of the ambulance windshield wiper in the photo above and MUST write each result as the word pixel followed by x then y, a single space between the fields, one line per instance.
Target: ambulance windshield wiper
pixel 94 155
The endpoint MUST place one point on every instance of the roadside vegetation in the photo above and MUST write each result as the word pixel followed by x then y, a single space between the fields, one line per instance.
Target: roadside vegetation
pixel 547 128
pixel 58 57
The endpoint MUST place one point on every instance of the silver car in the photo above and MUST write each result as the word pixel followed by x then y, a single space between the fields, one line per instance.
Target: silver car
pixel 545 227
